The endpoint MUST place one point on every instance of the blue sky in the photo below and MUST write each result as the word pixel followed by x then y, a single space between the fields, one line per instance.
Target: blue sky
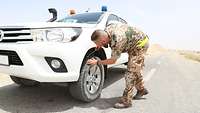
pixel 171 23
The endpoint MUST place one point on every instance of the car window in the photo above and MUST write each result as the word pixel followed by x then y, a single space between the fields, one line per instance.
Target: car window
pixel 113 17
pixel 90 18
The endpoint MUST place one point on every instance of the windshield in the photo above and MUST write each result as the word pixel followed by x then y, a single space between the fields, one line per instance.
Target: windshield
pixel 89 18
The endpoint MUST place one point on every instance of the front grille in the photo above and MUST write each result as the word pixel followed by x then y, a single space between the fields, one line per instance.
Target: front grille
pixel 12 56
pixel 15 34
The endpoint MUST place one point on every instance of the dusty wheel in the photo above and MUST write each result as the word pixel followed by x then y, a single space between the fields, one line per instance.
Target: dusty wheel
pixel 23 82
pixel 89 86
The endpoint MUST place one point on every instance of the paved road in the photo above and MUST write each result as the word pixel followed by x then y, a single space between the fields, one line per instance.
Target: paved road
pixel 173 82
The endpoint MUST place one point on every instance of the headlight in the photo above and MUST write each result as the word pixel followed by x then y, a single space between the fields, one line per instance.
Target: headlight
pixel 56 34
pixel 38 35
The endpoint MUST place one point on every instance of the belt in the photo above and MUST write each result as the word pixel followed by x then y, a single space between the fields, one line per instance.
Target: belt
pixel 141 43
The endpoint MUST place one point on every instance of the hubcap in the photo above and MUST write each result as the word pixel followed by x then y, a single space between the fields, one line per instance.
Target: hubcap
pixel 93 78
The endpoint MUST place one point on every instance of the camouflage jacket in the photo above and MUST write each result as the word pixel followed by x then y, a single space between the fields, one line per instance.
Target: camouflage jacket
pixel 123 38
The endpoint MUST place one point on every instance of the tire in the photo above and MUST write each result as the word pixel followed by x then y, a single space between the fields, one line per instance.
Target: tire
pixel 126 63
pixel 91 80
pixel 24 82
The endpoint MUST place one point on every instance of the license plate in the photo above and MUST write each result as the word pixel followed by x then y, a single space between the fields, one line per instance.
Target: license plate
pixel 4 60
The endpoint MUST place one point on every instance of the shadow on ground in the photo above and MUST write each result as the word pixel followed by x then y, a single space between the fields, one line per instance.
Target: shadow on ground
pixel 51 98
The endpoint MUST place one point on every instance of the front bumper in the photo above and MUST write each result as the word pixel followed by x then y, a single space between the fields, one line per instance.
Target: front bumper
pixel 35 67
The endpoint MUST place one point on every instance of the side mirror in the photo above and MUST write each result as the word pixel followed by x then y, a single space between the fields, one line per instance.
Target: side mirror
pixel 54 13
pixel 112 22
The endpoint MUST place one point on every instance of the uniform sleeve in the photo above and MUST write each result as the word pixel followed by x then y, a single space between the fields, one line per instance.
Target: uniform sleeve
pixel 118 46
pixel 116 53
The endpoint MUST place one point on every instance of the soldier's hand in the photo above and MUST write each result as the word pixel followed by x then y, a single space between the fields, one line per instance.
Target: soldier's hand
pixel 92 61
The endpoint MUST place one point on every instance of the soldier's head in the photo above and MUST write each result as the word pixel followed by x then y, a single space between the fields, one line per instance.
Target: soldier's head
pixel 100 38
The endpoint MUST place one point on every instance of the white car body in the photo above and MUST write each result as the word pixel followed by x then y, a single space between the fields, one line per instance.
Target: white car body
pixel 32 53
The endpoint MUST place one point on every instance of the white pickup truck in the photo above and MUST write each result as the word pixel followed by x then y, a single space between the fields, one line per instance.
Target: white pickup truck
pixel 56 52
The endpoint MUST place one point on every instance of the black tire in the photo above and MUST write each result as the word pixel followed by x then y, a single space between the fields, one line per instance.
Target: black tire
pixel 126 63
pixel 24 82
pixel 82 89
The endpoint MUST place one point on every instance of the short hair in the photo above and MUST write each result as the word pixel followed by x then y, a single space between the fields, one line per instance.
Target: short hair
pixel 97 34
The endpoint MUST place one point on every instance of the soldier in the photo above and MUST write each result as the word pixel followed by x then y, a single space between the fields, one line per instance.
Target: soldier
pixel 124 38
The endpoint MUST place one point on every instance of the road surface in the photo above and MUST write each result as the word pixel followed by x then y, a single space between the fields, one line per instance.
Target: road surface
pixel 173 83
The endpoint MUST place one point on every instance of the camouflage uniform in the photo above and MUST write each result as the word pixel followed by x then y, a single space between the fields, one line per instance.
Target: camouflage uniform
pixel 125 39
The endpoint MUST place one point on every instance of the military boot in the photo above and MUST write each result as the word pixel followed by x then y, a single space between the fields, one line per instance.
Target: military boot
pixel 141 93
pixel 121 105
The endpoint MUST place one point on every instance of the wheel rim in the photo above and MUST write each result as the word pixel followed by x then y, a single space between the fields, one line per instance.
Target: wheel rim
pixel 93 78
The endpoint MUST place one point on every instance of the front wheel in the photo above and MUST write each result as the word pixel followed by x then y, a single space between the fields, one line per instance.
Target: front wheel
pixel 89 86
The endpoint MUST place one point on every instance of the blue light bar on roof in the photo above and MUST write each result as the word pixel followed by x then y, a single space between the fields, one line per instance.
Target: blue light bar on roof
pixel 104 8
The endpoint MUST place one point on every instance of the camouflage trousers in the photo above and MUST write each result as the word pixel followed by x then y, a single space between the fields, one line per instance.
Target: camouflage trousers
pixel 133 76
